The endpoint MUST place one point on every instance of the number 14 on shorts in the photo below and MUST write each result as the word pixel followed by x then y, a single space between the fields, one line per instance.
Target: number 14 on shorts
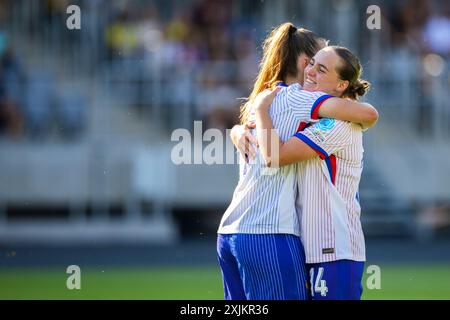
pixel 318 285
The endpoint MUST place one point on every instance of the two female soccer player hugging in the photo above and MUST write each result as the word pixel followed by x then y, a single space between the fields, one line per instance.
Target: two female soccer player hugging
pixel 294 232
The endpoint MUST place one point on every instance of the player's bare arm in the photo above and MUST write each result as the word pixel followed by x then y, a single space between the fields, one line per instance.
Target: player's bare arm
pixel 293 150
pixel 342 109
pixel 349 110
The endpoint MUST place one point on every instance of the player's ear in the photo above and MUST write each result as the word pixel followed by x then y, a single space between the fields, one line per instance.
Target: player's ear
pixel 342 86
pixel 305 61
pixel 302 61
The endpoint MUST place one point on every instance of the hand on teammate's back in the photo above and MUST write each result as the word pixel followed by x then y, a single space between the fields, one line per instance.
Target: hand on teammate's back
pixel 244 141
pixel 264 99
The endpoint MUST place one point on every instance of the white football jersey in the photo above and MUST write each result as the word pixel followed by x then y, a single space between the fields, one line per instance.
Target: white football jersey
pixel 328 199
pixel 265 203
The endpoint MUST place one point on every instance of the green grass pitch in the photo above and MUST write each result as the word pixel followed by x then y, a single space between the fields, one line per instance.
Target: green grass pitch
pixel 164 283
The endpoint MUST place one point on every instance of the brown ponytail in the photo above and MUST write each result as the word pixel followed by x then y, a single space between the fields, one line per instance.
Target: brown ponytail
pixel 281 49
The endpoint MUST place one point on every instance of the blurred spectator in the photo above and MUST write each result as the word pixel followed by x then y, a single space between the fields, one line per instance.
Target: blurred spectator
pixel 55 8
pixel 434 219
pixel 11 78
pixel 247 60
pixel 121 37
pixel 170 44
pixel 219 44
pixel 4 7
pixel 407 21
pixel 40 98
pixel 419 28
pixel 213 21
pixel 217 101
pixel 436 32
pixel 71 112
pixel 55 14
pixel 212 14
pixel 148 30
pixel 186 38
pixel 184 43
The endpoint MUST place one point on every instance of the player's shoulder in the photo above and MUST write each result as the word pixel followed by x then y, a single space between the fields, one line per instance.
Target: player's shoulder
pixel 296 89
pixel 315 93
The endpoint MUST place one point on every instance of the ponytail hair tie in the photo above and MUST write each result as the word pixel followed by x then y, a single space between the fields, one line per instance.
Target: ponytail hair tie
pixel 292 29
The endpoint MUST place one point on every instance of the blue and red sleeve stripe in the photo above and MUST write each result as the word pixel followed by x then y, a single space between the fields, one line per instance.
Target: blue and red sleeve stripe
pixel 330 160
pixel 331 165
pixel 316 106
pixel 302 126
pixel 322 153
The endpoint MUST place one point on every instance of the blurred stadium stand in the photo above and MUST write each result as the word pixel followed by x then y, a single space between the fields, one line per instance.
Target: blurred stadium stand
pixel 86 115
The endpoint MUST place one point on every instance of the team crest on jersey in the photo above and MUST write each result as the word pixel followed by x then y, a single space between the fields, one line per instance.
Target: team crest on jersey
pixel 318 130
pixel 326 124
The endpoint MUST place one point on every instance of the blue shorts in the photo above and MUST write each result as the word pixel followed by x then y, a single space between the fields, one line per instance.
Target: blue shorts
pixel 336 280
pixel 262 267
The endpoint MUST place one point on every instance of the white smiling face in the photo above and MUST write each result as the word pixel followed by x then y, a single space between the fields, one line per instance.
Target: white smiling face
pixel 321 75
